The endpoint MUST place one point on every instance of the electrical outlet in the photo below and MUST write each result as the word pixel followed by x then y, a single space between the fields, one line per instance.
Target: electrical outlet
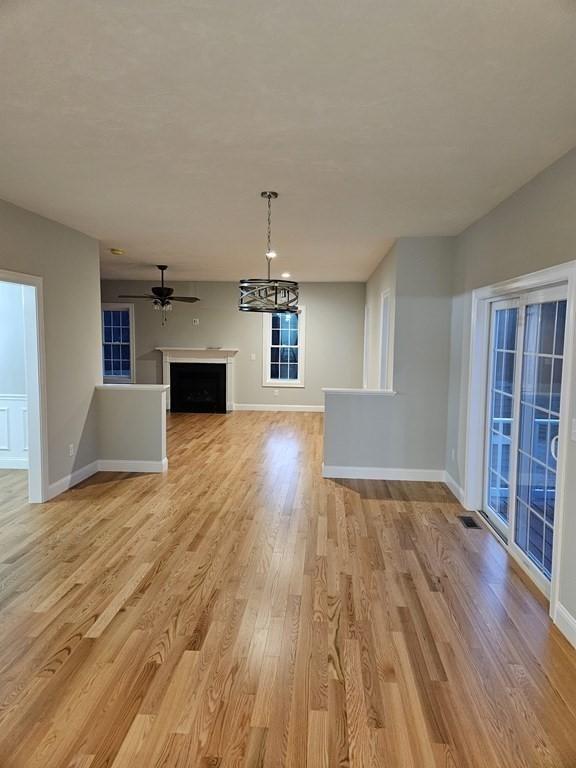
pixel 195 321
pixel 275 393
pixel 252 355
pixel 71 449
pixel 453 454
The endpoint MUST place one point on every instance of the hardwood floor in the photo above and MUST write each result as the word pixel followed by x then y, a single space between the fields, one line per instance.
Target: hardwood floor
pixel 13 488
pixel 242 611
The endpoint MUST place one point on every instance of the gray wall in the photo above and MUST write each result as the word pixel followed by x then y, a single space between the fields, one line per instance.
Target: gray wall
pixel 334 336
pixel 533 229
pixel 12 340
pixel 406 430
pixel 131 424
pixel 422 347
pixel 65 259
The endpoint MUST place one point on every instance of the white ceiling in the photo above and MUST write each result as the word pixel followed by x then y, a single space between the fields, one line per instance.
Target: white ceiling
pixel 154 124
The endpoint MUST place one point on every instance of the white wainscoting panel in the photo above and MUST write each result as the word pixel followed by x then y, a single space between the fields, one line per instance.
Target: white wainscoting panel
pixel 13 432
pixel 4 428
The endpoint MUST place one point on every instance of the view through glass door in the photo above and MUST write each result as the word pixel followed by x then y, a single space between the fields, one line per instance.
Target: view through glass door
pixel 525 375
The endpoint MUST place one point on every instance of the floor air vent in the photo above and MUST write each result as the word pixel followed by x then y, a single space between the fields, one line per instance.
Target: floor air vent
pixel 468 521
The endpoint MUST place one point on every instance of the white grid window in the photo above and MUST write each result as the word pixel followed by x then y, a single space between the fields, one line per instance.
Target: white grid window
pixel 284 349
pixel 118 343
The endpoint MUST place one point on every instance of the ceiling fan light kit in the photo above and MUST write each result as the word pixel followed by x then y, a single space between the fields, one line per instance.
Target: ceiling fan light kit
pixel 267 294
pixel 162 296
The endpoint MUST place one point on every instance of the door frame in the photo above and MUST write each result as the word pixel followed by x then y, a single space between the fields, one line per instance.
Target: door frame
pixel 478 382
pixel 385 343
pixel 509 302
pixel 36 383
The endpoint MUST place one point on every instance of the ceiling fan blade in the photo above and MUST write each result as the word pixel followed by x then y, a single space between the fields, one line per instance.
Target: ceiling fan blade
pixel 129 296
pixel 188 299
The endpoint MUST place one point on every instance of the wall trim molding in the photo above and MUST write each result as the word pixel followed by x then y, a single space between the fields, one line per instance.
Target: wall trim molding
pixel 383 473
pixel 396 473
pixel 13 463
pixel 456 489
pixel 103 465
pixel 280 407
pixel 565 622
pixel 68 481
pixel 120 465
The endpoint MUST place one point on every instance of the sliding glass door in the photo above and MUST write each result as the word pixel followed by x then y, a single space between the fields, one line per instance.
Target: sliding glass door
pixel 526 357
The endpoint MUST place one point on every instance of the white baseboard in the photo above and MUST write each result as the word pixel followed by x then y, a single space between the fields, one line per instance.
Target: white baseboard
pixel 103 465
pixel 394 473
pixel 272 407
pixel 55 489
pixel 566 623
pixel 13 463
pixel 118 465
pixel 454 487
pixel 383 473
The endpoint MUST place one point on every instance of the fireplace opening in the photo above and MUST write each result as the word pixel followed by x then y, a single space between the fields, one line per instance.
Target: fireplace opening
pixel 198 387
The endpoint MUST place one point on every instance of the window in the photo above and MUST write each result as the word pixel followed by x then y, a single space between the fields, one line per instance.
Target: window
pixel 284 349
pixel 118 343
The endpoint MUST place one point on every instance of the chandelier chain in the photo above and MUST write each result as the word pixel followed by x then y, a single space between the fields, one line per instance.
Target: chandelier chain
pixel 269 224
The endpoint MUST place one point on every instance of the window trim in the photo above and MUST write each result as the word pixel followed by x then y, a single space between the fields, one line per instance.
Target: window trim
pixel 386 342
pixel 120 379
pixel 267 344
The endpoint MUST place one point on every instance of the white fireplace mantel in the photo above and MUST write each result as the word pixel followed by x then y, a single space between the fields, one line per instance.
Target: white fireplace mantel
pixel 200 355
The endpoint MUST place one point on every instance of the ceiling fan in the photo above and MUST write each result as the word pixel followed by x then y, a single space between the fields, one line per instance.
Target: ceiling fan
pixel 162 296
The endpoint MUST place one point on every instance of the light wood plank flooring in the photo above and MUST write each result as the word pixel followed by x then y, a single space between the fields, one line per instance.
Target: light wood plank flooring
pixel 242 611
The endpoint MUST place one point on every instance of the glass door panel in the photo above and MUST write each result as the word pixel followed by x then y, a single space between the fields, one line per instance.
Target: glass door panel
pixel 539 419
pixel 522 425
pixel 504 326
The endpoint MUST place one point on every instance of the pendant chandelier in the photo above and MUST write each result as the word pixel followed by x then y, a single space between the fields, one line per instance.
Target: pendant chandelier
pixel 268 295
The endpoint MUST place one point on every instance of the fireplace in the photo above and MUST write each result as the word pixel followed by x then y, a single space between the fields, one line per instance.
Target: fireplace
pixel 201 356
pixel 198 387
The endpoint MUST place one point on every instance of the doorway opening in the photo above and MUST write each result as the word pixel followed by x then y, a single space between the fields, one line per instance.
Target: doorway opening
pixel 22 425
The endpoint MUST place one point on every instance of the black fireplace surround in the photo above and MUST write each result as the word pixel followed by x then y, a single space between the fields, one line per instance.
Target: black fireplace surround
pixel 198 387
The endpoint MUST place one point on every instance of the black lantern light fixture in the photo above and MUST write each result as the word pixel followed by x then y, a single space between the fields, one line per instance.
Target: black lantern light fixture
pixel 268 295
